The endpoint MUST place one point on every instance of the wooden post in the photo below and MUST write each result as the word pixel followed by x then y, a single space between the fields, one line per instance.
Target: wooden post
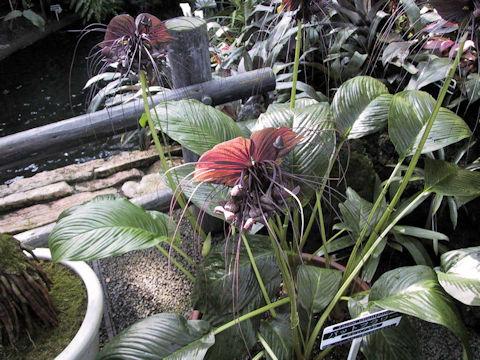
pixel 189 61
pixel 189 58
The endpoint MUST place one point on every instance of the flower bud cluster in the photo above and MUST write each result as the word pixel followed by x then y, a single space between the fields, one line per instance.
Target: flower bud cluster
pixel 245 209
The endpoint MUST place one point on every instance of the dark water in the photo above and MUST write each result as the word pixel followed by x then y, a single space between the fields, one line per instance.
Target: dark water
pixel 36 89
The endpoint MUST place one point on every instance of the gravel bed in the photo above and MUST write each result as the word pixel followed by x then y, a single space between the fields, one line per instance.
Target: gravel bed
pixel 145 282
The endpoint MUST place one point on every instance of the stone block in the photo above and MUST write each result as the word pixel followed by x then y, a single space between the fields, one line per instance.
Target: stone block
pixel 126 161
pixel 115 179
pixel 149 184
pixel 44 193
pixel 42 214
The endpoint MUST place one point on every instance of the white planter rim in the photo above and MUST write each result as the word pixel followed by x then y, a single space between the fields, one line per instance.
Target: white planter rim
pixel 93 316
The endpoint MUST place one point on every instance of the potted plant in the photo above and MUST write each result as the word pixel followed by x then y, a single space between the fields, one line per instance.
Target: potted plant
pixel 27 305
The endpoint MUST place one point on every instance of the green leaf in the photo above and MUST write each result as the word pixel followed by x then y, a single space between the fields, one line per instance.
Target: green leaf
pixel 459 274
pixel 143 120
pixel 395 343
pixel 360 106
pixel 407 119
pixel 12 15
pixel 313 154
pixel 278 335
pixel 432 70
pixel 204 195
pixel 414 290
pixel 419 232
pixel 35 19
pixel 445 178
pixel 162 336
pixel 105 228
pixel 355 212
pixel 415 248
pixel 196 126
pixel 316 287
pixel 225 290
pixel 106 76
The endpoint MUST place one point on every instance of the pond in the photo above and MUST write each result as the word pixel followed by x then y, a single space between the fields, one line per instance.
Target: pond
pixel 37 89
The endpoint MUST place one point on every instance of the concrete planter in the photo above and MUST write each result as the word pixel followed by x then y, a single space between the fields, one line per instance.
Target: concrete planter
pixel 84 345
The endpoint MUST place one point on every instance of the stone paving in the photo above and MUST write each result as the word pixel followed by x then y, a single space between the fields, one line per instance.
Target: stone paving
pixel 36 201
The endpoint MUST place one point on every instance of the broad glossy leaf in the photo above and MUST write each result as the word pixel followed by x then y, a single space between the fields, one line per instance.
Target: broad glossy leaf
pixel 395 343
pixel 162 336
pixel 316 287
pixel 414 290
pixel 105 228
pixel 278 335
pixel 34 18
pixel 419 232
pixel 204 195
pixel 434 69
pixel 459 274
pixel 13 15
pixel 355 212
pixel 196 126
pixel 415 248
pixel 408 116
pixel 312 155
pixel 360 106
pixel 223 292
pixel 445 178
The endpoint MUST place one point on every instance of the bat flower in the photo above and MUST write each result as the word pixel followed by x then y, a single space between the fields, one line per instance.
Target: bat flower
pixel 457 11
pixel 252 168
pixel 135 43
pixel 305 8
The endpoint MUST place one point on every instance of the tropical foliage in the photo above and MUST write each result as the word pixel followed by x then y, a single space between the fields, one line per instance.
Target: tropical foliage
pixel 278 182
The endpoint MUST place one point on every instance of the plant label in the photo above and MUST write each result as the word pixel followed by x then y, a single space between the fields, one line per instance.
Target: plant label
pixel 351 329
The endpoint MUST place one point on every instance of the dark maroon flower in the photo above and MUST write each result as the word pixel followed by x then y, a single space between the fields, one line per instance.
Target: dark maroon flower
pixel 457 11
pixel 252 168
pixel 305 9
pixel 135 43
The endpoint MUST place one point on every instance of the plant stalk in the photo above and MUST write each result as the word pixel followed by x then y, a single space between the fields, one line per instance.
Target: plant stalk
pixel 161 154
pixel 298 45
pixel 176 263
pixel 251 314
pixel 372 243
pixel 257 274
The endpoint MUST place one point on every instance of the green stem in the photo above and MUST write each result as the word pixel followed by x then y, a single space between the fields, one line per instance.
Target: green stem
pixel 354 273
pixel 353 255
pixel 317 252
pixel 175 262
pixel 161 154
pixel 298 45
pixel 251 314
pixel 372 243
pixel 322 229
pixel 185 256
pixel 257 274
pixel 267 347
pixel 310 221
pixel 418 151
pixel 259 355
pixel 319 193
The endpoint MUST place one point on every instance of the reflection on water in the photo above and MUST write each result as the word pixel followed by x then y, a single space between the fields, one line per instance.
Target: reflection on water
pixel 34 91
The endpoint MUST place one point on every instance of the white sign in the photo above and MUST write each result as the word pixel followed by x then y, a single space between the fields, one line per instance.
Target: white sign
pixel 351 329
pixel 57 9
